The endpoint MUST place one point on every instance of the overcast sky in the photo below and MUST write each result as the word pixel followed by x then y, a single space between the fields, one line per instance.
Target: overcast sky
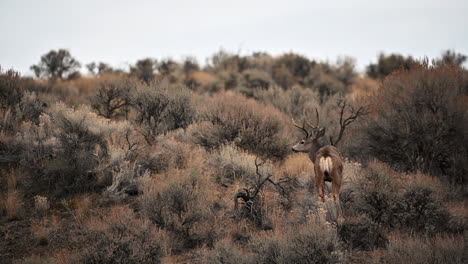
pixel 121 32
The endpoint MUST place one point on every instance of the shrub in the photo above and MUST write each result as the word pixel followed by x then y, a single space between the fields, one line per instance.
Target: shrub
pixel 291 69
pixel 181 208
pixel 362 234
pixel 169 153
pixel 451 57
pixel 224 61
pixel 416 208
pixel 232 164
pixel 314 243
pixel 119 237
pixel 419 122
pixel 251 126
pixel 161 109
pixel 377 194
pixel 421 211
pixel 124 179
pixel 418 250
pixel 144 70
pixel 327 85
pixel 293 102
pixel 227 253
pixel 11 90
pixel 67 148
pixel 387 64
pixel 16 103
pixel 255 79
pixel 113 97
pixel 57 65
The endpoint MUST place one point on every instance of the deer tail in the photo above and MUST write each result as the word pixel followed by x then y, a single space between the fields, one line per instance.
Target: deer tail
pixel 326 165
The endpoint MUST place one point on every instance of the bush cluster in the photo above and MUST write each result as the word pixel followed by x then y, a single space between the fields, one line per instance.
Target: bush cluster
pixel 119 237
pixel 420 121
pixel 254 127
pixel 181 208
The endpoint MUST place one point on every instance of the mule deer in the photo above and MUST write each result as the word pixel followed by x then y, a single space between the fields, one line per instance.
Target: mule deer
pixel 328 164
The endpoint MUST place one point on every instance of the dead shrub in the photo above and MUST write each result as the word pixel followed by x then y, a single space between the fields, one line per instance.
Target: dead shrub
pixel 113 98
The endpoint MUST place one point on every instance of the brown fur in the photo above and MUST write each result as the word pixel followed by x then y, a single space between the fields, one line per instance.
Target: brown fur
pixel 328 164
pixel 335 175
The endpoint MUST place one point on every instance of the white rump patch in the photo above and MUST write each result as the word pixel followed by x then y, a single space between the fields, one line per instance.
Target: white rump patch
pixel 326 164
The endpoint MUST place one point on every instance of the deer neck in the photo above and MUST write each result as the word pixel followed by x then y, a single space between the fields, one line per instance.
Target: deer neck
pixel 313 151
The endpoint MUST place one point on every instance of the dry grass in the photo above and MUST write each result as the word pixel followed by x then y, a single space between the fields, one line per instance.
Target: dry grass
pixel 14 205
pixel 40 230
pixel 13 202
pixel 440 249
pixel 83 205
pixel 363 87
pixel 41 204
pixel 296 166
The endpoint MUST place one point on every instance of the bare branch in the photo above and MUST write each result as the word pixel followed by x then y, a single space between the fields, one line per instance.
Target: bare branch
pixel 346 121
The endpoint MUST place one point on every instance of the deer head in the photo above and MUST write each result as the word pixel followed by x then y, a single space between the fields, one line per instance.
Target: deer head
pixel 310 142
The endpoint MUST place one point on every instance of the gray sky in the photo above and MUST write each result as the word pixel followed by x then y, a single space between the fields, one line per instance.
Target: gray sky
pixel 121 32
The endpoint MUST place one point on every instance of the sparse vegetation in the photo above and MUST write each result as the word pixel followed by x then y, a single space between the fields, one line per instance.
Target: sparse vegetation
pixel 178 162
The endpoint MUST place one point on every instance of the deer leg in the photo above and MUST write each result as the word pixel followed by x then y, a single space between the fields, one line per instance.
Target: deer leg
pixel 321 191
pixel 336 196
pixel 320 183
pixel 335 190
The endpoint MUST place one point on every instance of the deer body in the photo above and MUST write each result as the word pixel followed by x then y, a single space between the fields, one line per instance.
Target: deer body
pixel 328 167
pixel 328 164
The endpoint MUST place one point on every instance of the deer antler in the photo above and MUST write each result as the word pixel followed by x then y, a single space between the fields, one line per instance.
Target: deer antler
pixel 301 127
pixel 318 119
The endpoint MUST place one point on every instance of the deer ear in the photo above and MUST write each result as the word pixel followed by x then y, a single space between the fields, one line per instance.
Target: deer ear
pixel 321 132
